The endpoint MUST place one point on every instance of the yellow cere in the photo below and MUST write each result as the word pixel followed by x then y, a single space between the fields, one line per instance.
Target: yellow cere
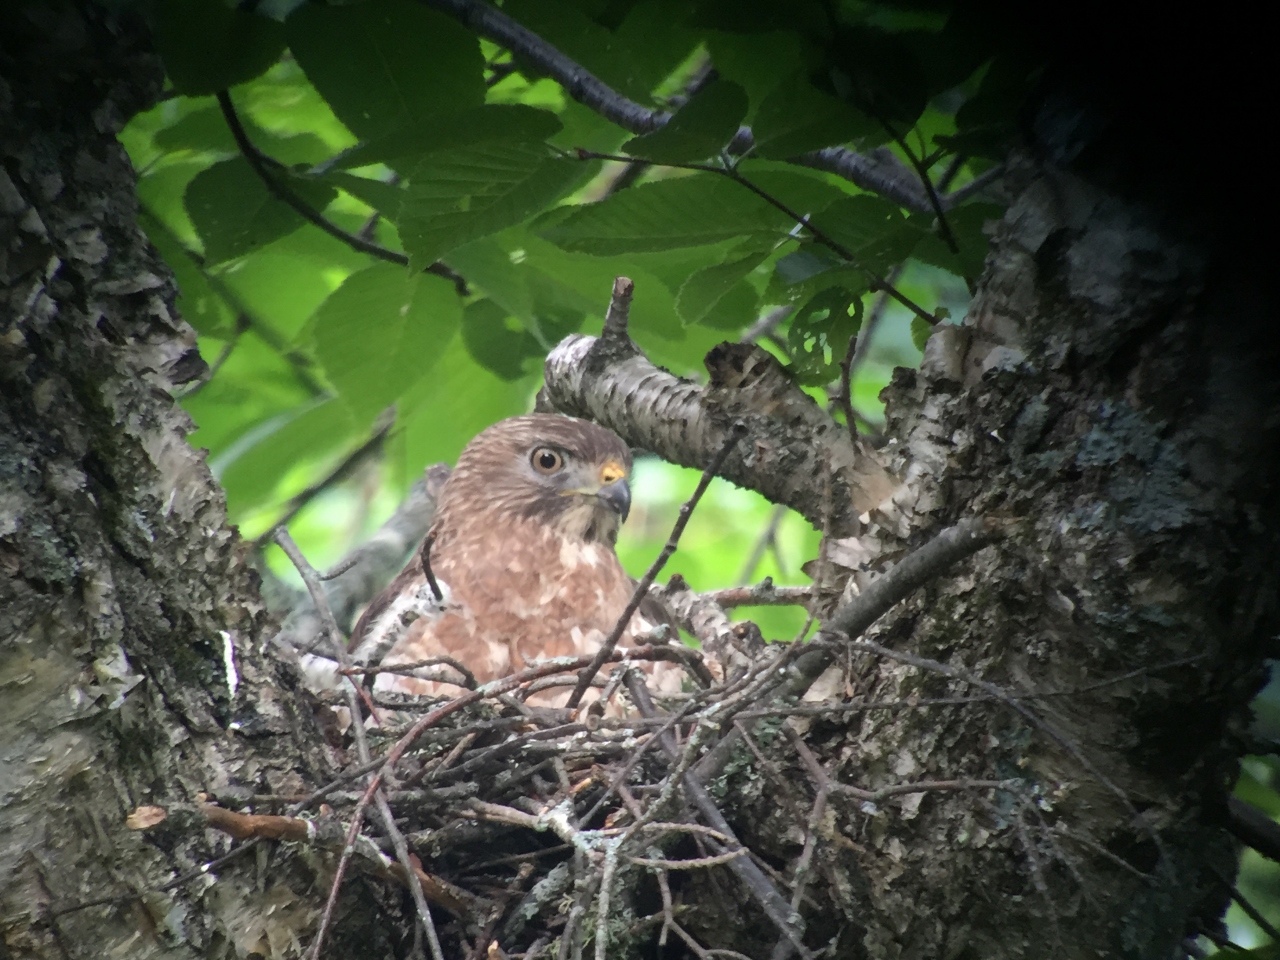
pixel 611 471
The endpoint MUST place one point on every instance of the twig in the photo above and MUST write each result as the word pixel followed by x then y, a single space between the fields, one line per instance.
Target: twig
pixel 767 324
pixel 843 398
pixel 622 297
pixel 339 652
pixel 1251 911
pixel 260 162
pixel 944 228
pixel 768 538
pixel 763 594
pixel 756 882
pixel 974 186
pixel 426 567
pixel 468 678
pixel 698 863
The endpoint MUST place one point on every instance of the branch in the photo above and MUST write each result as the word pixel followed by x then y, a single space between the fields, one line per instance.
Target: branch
pixel 876 173
pixel 791 442
pixel 369 568
pixel 1251 826
pixel 260 162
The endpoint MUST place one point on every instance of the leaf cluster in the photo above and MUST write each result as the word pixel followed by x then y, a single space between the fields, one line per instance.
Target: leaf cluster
pixel 383 214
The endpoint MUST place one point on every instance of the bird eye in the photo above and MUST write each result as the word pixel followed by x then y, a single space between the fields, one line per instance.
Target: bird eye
pixel 546 460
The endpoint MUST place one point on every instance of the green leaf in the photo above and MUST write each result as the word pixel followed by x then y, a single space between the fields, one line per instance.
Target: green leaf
pixel 877 71
pixel 384 197
pixel 440 413
pixel 207 46
pixel 703 290
pixel 872 230
pixel 387 63
pixel 456 196
pixel 496 342
pixel 736 310
pixel 701 128
pixel 808 271
pixel 449 131
pixel 254 385
pixel 252 469
pixel 234 212
pixel 681 212
pixel 819 335
pixel 921 329
pixel 381 331
pixel 796 117
pixel 206 131
pixel 967 225
pixel 286 280
pixel 632 47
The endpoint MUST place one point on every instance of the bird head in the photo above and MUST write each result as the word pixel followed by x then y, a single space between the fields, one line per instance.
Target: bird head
pixel 569 473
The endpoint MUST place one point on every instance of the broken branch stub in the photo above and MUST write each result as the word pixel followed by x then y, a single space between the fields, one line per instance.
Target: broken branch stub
pixel 794 453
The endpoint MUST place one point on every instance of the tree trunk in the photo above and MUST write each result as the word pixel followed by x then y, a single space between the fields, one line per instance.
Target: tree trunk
pixel 132 670
pixel 1111 401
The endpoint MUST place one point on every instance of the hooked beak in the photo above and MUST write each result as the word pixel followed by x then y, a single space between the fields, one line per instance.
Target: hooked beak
pixel 616 496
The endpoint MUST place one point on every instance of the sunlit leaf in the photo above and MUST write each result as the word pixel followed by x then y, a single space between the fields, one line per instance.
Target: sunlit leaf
pixel 387 63
pixel 452 130
pixel 684 212
pixel 235 213
pixel 208 46
pixel 701 128
pixel 819 334
pixel 457 196
pixel 381 331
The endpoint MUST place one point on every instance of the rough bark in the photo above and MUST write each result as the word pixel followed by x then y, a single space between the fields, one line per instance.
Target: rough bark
pixel 131 631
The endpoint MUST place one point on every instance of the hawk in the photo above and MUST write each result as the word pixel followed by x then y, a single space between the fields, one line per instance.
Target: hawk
pixel 523 538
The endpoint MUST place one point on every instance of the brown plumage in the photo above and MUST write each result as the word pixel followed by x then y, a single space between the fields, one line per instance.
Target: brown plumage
pixel 524 539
